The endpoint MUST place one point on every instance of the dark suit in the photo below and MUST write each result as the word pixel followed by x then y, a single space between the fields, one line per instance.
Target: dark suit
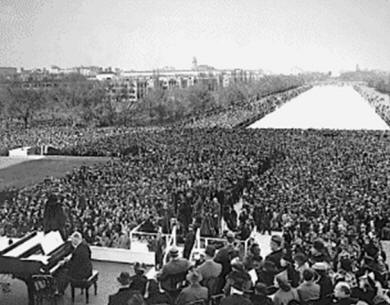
pixel 236 299
pixel 172 274
pixel 174 267
pixel 138 282
pixel 224 257
pixel 80 266
pixel 210 269
pixel 192 293
pixel 275 257
pixel 121 297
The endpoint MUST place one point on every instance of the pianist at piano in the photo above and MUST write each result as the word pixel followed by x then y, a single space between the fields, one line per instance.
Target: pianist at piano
pixel 78 267
pixel 39 253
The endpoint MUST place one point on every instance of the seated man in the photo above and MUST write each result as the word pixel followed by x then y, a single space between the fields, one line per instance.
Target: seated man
pixel 173 273
pixel 124 293
pixel 194 292
pixel 78 267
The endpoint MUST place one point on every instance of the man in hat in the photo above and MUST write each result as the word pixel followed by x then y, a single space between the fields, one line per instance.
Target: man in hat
pixel 276 251
pixel 226 254
pixel 139 280
pixel 236 294
pixel 173 273
pixel 124 293
pixel 189 242
pixel 260 296
pixel 325 282
pixel 193 292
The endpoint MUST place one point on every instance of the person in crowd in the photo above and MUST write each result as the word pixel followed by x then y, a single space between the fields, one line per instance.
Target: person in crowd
pixel 308 290
pixel 300 263
pixel 324 281
pixel 194 291
pixel 124 293
pixel 266 273
pixel 260 296
pixel 236 295
pixel 173 273
pixel 189 242
pixel 210 268
pixel 253 255
pixel 225 256
pixel 238 273
pixel 342 294
pixel 276 245
pixel 155 294
pixel 79 266
pixel 139 280
pixel 285 294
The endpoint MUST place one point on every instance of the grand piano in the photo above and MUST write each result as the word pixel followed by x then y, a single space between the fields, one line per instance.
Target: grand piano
pixel 36 253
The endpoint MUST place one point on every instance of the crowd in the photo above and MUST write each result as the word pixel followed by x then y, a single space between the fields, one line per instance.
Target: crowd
pixel 291 274
pixel 244 114
pixel 326 190
pixel 380 101
pixel 283 176
pixel 165 174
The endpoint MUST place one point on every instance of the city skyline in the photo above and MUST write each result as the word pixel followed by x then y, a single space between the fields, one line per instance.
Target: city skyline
pixel 143 35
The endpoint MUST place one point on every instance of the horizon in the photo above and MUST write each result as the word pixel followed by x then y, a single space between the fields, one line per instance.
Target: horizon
pixel 272 35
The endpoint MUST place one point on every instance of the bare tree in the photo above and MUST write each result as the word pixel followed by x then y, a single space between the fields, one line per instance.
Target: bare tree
pixel 22 103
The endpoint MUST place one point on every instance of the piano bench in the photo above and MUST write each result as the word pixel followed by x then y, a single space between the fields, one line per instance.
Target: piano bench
pixel 85 284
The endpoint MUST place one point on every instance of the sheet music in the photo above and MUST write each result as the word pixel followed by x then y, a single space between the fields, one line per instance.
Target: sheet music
pixel 253 276
pixel 51 241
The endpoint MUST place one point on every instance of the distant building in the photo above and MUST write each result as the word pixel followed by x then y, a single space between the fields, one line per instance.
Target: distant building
pixel 7 73
pixel 132 85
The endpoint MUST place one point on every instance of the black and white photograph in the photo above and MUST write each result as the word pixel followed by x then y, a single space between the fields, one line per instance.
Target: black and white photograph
pixel 195 152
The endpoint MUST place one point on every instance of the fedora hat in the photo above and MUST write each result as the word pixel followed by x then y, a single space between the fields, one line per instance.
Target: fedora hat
pixel 124 278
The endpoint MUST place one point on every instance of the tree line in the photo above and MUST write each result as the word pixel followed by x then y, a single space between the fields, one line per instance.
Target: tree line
pixel 80 102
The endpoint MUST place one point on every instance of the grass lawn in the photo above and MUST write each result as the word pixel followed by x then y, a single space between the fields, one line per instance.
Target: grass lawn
pixel 31 172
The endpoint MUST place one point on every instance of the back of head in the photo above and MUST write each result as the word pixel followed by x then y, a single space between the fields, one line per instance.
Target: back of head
pixel 136 299
pixel 194 277
pixel 308 275
pixel 283 283
pixel 174 252
pixel 210 251
pixel 230 237
pixel 261 288
pixel 300 258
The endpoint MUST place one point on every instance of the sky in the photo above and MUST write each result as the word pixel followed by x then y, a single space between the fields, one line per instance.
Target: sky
pixel 273 35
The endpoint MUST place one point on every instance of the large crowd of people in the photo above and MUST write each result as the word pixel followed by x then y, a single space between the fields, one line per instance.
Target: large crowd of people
pixel 313 274
pixel 283 176
pixel 325 190
pixel 244 114
pixel 380 101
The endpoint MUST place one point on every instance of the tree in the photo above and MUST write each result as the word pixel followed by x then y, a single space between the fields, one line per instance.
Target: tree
pixel 83 102
pixel 22 103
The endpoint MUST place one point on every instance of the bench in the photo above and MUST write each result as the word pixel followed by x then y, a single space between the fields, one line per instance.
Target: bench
pixel 85 284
